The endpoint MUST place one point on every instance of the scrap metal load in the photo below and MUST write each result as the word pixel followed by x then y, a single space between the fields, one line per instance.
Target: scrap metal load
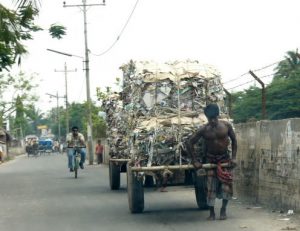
pixel 164 104
pixel 116 127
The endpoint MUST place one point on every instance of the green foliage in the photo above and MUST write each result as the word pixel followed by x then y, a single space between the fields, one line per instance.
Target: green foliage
pixel 13 89
pixel 289 67
pixel 34 118
pixel 15 99
pixel 18 25
pixel 21 3
pixel 283 98
pixel 78 117
pixel 57 31
pixel 282 94
pixel 102 95
pixel 247 105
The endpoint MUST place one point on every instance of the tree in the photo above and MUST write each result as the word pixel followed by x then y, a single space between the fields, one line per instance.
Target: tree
pixel 78 117
pixel 289 67
pixel 283 95
pixel 16 26
pixel 247 105
pixel 35 118
pixel 20 121
pixel 13 90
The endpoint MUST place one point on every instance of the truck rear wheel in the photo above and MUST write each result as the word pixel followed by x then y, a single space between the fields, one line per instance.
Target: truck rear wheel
pixel 114 176
pixel 200 191
pixel 135 192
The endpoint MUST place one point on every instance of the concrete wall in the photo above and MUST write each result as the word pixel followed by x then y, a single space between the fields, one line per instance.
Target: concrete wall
pixel 269 157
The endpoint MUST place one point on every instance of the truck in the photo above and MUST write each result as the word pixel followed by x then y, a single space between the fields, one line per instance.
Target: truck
pixel 116 138
pixel 162 105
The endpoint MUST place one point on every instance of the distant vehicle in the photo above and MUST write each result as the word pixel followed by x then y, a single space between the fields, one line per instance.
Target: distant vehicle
pixel 46 146
pixel 28 138
pixel 31 145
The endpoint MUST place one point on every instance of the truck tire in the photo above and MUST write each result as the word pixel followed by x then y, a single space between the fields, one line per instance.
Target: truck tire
pixel 200 191
pixel 114 176
pixel 149 182
pixel 135 192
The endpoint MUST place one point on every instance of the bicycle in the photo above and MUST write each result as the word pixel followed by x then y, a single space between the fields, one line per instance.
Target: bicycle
pixel 76 158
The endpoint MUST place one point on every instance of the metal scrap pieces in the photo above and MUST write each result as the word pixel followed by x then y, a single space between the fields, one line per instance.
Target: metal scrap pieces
pixel 163 104
pixel 116 126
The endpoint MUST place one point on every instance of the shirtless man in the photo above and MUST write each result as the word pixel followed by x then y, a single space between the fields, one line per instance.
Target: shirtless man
pixel 216 134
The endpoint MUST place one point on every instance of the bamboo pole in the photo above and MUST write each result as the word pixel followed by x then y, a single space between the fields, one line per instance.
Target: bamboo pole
pixel 174 167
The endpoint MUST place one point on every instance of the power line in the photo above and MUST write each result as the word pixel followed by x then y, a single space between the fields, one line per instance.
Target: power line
pixel 256 70
pixel 240 85
pixel 265 76
pixel 262 68
pixel 236 78
pixel 124 27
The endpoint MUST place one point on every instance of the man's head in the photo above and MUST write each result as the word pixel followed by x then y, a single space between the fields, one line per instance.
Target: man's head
pixel 212 112
pixel 75 130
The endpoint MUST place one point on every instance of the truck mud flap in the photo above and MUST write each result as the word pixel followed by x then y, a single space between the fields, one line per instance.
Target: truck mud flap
pixel 135 192
pixel 200 190
pixel 114 176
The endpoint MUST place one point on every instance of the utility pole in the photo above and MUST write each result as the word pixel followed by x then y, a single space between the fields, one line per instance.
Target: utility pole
pixel 66 96
pixel 87 75
pixel 229 102
pixel 263 94
pixel 57 111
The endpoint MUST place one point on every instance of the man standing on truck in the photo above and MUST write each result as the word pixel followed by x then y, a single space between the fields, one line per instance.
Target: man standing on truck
pixel 216 134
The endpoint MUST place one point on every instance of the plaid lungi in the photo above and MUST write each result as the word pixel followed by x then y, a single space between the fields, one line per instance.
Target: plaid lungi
pixel 215 187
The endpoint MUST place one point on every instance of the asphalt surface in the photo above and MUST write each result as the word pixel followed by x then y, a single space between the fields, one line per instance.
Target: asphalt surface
pixel 40 194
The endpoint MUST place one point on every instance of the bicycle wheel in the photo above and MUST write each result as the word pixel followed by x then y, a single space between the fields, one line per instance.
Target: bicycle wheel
pixel 76 165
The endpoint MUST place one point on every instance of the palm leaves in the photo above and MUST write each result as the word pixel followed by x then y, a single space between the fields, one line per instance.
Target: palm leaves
pixel 23 3
pixel 288 67
pixel 17 26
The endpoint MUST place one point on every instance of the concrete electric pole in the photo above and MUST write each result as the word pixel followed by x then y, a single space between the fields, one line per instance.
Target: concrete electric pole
pixel 66 96
pixel 87 75
pixel 57 111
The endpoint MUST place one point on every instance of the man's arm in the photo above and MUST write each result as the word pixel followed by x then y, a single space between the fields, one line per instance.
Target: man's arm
pixel 81 139
pixel 231 134
pixel 69 139
pixel 192 141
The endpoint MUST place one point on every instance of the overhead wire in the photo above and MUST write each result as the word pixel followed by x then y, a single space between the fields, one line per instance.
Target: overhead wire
pixel 262 68
pixel 118 38
pixel 256 70
pixel 265 76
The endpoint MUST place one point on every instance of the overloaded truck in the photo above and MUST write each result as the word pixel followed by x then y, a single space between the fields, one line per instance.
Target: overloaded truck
pixel 162 105
pixel 116 138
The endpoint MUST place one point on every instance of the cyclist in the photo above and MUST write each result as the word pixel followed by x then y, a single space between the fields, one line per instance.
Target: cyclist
pixel 75 137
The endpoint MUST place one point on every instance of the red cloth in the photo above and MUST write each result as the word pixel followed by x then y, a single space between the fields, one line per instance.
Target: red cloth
pixel 99 149
pixel 224 175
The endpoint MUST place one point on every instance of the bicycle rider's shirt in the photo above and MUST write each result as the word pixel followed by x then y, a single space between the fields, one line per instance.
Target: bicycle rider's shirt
pixel 71 140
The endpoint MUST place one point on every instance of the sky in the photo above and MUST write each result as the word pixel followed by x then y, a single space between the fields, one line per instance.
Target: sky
pixel 235 36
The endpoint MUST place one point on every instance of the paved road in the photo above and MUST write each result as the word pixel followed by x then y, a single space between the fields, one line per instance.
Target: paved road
pixel 39 194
